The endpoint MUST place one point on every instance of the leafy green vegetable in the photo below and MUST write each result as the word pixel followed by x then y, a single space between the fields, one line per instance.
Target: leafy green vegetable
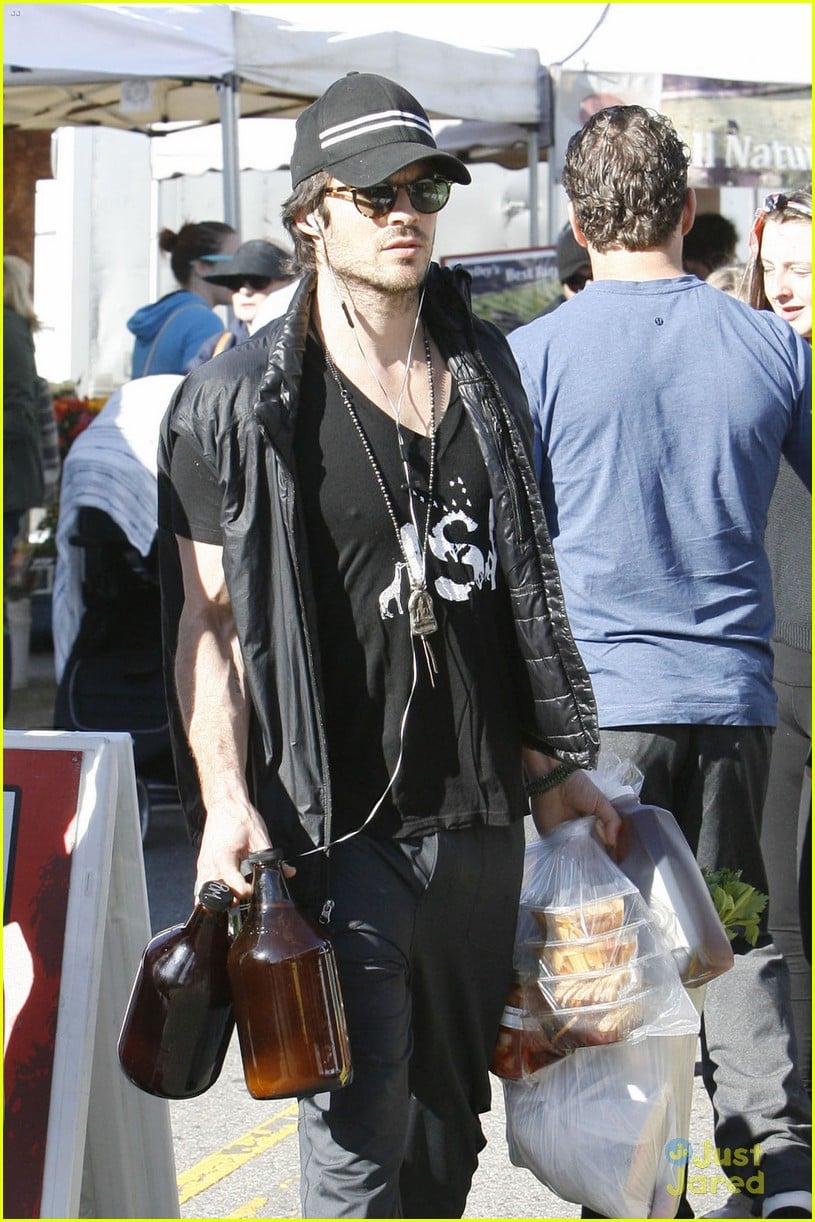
pixel 738 904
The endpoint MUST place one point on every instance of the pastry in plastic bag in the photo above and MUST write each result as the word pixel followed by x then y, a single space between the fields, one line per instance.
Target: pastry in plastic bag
pixel 581 921
pixel 591 967
pixel 606 953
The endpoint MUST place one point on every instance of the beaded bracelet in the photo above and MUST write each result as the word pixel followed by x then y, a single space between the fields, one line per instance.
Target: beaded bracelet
pixel 542 784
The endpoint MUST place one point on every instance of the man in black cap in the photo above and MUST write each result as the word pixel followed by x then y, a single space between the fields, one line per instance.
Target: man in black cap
pixel 365 631
pixel 257 269
pixel 573 268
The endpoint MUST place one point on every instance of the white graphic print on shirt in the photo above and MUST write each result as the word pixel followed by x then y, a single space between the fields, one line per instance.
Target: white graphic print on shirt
pixel 471 568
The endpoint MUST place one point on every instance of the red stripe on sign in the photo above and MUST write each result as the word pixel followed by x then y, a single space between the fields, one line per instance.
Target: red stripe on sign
pixel 41 791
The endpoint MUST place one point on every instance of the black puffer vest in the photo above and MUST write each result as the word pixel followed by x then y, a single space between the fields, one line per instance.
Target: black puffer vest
pixel 241 413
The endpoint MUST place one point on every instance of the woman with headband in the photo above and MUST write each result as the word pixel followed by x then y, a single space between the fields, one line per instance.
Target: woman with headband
pixel 170 331
pixel 780 279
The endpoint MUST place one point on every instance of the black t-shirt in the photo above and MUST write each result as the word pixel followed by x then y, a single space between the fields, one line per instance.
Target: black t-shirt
pixel 460 742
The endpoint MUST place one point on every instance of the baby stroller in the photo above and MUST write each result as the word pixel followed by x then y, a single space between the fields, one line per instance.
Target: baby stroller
pixel 113 678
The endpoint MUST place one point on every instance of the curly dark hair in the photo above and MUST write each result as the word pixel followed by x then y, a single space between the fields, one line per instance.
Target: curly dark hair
pixel 626 174
pixel 308 196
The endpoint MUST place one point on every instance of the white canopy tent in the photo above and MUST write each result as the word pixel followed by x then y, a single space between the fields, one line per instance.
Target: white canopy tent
pixel 738 42
pixel 742 41
pixel 67 62
pixel 138 66
pixel 143 67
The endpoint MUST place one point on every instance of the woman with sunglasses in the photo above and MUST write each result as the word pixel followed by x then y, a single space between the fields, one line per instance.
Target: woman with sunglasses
pixel 780 279
pixel 170 331
pixel 258 269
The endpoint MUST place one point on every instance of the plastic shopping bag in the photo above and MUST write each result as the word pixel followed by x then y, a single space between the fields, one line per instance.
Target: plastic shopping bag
pixel 608 1127
pixel 598 1038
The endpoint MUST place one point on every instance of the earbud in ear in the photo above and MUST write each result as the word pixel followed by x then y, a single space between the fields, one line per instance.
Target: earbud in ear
pixel 310 224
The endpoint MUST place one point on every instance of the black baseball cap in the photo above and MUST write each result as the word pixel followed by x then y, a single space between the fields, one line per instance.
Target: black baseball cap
pixel 363 129
pixel 257 258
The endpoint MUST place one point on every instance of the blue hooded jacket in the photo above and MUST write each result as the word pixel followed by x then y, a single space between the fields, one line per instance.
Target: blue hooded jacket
pixel 170 332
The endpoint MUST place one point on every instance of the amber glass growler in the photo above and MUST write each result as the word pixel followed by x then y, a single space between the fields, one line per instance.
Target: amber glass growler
pixel 288 1007
pixel 179 1019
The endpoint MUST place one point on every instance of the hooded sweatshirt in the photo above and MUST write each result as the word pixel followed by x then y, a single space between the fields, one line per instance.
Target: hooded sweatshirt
pixel 169 333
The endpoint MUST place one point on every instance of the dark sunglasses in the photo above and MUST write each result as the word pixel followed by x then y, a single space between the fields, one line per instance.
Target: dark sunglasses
pixel 425 195
pixel 255 283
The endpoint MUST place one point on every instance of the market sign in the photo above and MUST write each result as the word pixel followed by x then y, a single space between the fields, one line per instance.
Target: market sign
pixel 511 287
pixel 78 1137
pixel 740 133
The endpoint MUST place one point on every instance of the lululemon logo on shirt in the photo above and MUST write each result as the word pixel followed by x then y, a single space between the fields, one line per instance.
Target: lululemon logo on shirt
pixel 659 321
pixel 464 565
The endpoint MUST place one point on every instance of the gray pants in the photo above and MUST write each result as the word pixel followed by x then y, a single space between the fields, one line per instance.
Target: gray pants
pixel 713 779
pixel 787 812
pixel 423 931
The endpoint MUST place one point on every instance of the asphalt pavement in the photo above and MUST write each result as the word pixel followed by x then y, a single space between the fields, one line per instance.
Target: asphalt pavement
pixel 237 1157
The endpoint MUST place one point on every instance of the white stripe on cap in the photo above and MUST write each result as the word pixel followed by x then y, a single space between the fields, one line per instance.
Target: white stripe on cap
pixel 372 123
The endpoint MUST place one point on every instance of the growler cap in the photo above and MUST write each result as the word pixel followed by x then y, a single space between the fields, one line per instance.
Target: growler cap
pixel 216 896
pixel 265 857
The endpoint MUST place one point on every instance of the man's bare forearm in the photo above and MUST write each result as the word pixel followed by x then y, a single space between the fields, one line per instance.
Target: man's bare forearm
pixel 209 678
pixel 210 681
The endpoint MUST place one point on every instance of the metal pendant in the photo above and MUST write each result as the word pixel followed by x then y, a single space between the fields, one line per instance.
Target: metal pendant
pixel 420 610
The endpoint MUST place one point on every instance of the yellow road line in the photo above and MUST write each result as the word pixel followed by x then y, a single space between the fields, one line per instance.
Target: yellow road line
pixel 217 1166
pixel 251 1209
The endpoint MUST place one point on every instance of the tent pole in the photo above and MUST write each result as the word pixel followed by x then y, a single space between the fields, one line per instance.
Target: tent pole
pixel 229 101
pixel 534 157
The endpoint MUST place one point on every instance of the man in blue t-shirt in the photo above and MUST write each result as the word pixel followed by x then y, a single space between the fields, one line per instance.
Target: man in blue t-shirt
pixel 661 409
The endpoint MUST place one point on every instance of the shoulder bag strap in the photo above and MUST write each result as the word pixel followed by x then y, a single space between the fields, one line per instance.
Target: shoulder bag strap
pixel 190 305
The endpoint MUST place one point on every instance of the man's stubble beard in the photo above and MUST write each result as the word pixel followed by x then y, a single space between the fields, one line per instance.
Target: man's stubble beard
pixel 374 278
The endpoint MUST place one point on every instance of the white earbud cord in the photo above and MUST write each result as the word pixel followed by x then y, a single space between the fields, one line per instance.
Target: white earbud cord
pixel 324 848
pixel 396 407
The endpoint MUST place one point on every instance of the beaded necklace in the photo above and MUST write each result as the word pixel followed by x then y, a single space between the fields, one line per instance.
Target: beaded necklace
pixel 421 614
